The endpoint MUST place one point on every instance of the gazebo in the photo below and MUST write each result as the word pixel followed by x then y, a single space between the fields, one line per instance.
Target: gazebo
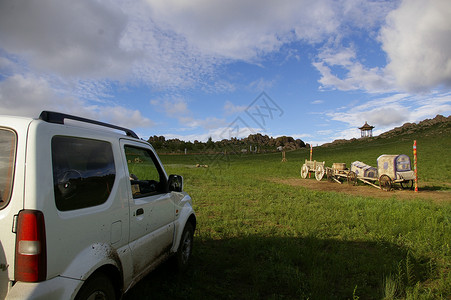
pixel 366 130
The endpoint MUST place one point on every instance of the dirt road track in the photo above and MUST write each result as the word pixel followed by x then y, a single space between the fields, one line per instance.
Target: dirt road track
pixel 366 190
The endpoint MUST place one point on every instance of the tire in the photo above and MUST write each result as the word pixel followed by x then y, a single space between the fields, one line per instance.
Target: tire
pixel 185 249
pixel 97 287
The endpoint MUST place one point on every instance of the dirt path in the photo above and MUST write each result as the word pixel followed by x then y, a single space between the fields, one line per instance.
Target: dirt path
pixel 366 190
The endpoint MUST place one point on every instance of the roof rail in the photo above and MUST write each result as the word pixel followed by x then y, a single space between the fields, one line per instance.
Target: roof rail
pixel 58 118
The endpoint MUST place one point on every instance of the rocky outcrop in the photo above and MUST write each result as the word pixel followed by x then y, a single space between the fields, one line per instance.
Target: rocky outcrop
pixel 410 128
pixel 257 141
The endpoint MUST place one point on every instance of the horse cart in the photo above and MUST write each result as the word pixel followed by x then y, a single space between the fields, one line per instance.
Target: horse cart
pixel 313 166
pixel 390 169
pixel 395 169
pixel 338 173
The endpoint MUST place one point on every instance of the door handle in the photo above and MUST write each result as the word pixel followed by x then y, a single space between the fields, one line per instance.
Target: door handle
pixel 139 211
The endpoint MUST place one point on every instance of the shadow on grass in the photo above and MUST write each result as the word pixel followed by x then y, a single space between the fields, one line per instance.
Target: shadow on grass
pixel 258 267
pixel 433 188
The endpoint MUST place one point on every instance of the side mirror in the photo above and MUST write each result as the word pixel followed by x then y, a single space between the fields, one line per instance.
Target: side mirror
pixel 175 183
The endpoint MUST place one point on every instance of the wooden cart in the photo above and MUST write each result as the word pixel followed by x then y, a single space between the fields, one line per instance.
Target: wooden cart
pixel 313 166
pixel 390 169
pixel 338 173
pixel 395 169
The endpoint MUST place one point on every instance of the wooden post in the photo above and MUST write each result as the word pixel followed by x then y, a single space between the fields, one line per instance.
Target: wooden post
pixel 311 152
pixel 415 164
pixel 284 159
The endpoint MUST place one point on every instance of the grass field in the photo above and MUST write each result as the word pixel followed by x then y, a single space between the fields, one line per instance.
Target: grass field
pixel 258 239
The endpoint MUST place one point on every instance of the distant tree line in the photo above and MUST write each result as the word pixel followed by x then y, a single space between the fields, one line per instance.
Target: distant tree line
pixel 253 143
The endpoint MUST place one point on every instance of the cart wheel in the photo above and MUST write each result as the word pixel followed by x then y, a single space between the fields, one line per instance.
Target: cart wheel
pixel 319 172
pixel 352 178
pixel 304 171
pixel 408 184
pixel 385 183
pixel 330 175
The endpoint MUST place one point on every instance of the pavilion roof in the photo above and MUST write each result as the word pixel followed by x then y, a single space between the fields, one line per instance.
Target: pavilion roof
pixel 366 127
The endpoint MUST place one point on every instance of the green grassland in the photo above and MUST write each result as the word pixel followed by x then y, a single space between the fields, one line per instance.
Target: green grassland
pixel 257 239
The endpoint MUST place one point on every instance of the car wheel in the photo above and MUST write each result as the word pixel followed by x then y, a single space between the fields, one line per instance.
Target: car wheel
pixel 99 287
pixel 185 247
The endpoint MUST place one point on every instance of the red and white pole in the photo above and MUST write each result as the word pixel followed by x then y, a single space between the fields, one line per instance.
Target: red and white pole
pixel 415 164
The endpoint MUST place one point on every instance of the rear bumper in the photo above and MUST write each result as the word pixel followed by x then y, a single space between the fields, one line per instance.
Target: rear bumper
pixel 55 288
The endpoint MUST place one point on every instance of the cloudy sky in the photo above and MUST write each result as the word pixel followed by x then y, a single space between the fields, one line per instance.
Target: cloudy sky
pixel 315 70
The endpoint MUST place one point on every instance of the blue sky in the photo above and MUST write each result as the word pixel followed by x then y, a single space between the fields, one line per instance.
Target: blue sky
pixel 314 70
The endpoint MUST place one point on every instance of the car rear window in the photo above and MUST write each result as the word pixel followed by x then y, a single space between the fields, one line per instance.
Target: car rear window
pixel 7 158
pixel 83 172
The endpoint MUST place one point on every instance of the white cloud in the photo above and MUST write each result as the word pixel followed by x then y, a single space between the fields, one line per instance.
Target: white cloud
pixel 217 134
pixel 245 29
pixel 125 117
pixel 232 109
pixel 262 84
pixel 29 95
pixel 387 116
pixel 324 132
pixel 107 40
pixel 355 75
pixel 315 102
pixel 387 112
pixel 71 38
pixel 417 39
pixel 168 44
pixel 177 108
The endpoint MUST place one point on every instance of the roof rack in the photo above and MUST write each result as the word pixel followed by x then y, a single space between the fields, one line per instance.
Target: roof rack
pixel 58 118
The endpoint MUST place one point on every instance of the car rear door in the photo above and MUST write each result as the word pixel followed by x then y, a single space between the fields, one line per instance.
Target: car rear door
pixel 152 211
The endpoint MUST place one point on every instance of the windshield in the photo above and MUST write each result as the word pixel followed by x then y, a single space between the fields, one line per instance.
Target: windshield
pixel 7 156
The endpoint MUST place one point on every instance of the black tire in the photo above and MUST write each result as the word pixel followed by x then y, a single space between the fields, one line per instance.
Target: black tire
pixel 97 287
pixel 185 249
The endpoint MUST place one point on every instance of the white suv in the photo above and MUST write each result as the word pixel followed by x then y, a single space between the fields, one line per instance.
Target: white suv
pixel 85 211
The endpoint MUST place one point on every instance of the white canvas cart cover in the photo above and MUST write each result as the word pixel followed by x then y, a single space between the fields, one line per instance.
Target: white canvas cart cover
pixel 363 170
pixel 397 167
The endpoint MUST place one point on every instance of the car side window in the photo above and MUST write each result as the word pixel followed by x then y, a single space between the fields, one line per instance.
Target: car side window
pixel 146 176
pixel 83 172
pixel 8 140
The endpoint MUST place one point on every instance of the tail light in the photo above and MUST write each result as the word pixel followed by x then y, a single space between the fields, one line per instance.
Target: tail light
pixel 31 252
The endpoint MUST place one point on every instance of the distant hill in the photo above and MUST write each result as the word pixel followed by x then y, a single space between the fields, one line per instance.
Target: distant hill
pixel 438 126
